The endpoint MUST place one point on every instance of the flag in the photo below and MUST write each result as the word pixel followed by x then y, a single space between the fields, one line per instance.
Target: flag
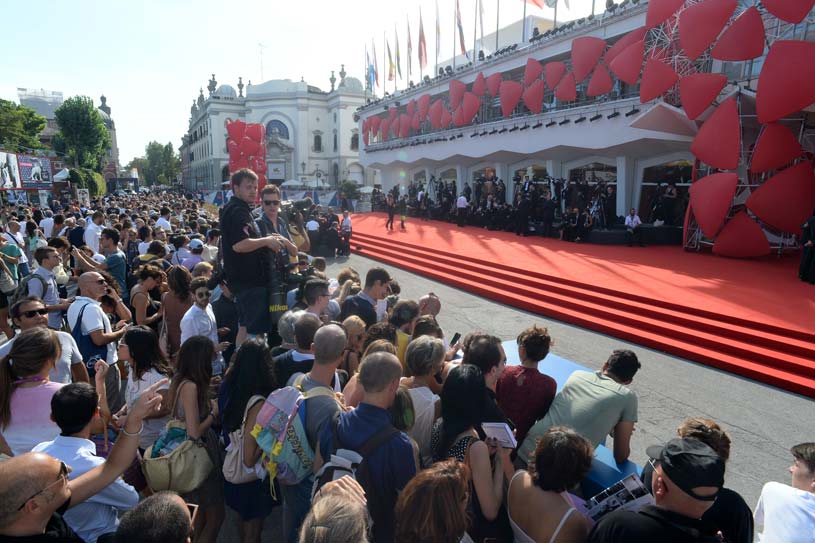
pixel 460 32
pixel 391 66
pixel 541 3
pixel 422 43
pixel 371 69
pixel 398 57
pixel 376 63
pixel 409 47
pixel 438 32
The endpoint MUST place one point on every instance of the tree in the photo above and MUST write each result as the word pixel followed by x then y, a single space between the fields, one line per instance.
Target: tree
pixel 349 189
pixel 83 134
pixel 139 163
pixel 19 126
pixel 161 164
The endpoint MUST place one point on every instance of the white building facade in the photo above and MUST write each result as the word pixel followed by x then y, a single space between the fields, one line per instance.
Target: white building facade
pixel 310 133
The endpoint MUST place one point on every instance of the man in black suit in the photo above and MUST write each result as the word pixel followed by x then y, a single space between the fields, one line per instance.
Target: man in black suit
pixel 363 305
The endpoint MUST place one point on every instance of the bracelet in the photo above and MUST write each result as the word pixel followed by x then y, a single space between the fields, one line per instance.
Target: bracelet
pixel 141 429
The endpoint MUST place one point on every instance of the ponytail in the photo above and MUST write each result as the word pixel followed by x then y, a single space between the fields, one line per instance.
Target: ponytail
pixel 6 388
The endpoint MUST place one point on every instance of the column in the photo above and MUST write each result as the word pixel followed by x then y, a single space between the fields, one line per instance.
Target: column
pixel 625 185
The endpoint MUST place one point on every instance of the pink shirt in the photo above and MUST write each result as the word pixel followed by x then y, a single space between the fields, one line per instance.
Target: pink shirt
pixel 31 422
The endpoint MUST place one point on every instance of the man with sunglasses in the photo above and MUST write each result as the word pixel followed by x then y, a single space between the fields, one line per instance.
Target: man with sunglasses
pixel 35 491
pixel 199 320
pixel 31 313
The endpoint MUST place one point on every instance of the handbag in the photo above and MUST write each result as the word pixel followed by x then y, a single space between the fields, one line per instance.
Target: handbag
pixel 163 336
pixel 234 469
pixel 185 468
pixel 7 283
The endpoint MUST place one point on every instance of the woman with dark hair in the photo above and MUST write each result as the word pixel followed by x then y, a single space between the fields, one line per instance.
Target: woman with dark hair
pixel 190 402
pixel 249 379
pixel 175 302
pixel 139 349
pixel 432 508
pixel 540 508
pixel 147 311
pixel 454 436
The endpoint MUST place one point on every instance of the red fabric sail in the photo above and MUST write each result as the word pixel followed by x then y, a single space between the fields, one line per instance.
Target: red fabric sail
pixel 435 114
pixel 787 80
pixel 718 142
pixel 533 96
pixel 626 66
pixel 600 82
pixel 411 107
pixel 494 84
pixel 470 105
pixel 792 11
pixel 711 198
pixel 457 90
pixel 532 71
pixel 697 91
pixel 510 95
pixel 657 78
pixel 743 40
pixel 741 237
pixel 786 199
pixel 446 118
pixel 480 85
pixel 660 10
pixel 632 37
pixel 776 147
pixel 700 23
pixel 586 52
pixel 424 105
pixel 553 72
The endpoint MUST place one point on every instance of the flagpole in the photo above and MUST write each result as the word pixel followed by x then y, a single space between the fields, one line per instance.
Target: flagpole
pixel 455 30
pixel 554 23
pixel 396 72
pixel 475 32
pixel 497 22
pixel 592 7
pixel 523 27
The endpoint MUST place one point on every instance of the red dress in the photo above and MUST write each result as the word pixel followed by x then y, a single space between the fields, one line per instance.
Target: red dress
pixel 524 395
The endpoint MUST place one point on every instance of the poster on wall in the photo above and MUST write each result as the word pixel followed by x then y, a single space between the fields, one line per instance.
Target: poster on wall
pixel 9 171
pixel 35 172
pixel 45 196
pixel 84 197
pixel 17 197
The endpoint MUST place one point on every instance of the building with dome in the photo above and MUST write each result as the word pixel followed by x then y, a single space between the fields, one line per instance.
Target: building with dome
pixel 310 133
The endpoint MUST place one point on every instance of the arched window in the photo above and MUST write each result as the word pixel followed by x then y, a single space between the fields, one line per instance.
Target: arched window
pixel 335 141
pixel 318 143
pixel 336 171
pixel 282 129
pixel 355 142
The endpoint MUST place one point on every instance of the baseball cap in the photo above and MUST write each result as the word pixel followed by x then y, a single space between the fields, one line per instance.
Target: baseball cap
pixel 689 463
pixel 196 244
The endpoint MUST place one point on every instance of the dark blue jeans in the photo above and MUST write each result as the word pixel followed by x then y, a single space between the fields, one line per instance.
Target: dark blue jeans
pixel 296 505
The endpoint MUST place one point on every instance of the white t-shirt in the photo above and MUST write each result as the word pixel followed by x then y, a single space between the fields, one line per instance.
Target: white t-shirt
pixel 61 373
pixel 46 225
pixel 143 245
pixel 424 407
pixel 201 322
pixel 165 224
pixel 785 515
pixel 461 202
pixel 92 235
pixel 92 319
pixel 152 427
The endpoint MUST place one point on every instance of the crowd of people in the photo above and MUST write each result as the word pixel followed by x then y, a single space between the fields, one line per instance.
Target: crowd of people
pixel 143 323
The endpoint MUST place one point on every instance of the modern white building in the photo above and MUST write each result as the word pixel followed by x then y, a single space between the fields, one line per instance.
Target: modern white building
pixel 310 133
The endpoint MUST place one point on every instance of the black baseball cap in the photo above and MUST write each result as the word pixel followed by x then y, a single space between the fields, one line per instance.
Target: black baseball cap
pixel 689 463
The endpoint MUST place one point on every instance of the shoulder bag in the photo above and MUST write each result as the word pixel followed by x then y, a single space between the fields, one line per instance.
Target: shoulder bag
pixel 183 469
pixel 234 469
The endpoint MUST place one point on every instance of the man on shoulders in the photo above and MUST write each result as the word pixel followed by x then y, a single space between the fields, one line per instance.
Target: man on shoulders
pixel 686 481
pixel 787 513
pixel 73 408
pixel 390 465
pixel 364 304
pixel 596 405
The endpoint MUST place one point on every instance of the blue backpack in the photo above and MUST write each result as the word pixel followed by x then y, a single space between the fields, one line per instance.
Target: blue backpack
pixel 91 352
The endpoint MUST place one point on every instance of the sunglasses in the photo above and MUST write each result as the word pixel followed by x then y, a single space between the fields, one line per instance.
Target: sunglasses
pixel 63 474
pixel 271 202
pixel 34 312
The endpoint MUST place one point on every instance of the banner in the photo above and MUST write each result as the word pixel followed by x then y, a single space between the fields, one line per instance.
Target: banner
pixel 35 172
pixel 9 171
pixel 84 197
pixel 17 197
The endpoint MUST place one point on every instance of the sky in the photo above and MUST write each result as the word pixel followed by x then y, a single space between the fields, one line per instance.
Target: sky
pixel 149 58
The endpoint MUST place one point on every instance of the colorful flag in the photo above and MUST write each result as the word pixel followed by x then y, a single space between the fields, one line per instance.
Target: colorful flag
pixel 391 66
pixel 371 69
pixel 422 43
pixel 460 32
pixel 409 46
pixel 398 57
pixel 376 63
pixel 438 33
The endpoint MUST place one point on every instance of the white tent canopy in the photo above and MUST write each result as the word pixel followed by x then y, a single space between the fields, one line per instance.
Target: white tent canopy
pixel 366 190
pixel 62 175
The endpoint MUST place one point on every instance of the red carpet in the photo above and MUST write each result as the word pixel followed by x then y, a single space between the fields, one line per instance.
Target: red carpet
pixel 751 317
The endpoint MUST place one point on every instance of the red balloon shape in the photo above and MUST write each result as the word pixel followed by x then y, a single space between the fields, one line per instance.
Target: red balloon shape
pixel 743 40
pixel 411 107
pixel 480 85
pixel 494 84
pixel 786 199
pixel 457 90
pixel 510 95
pixel 566 90
pixel 533 96
pixel 254 131
pixel 718 142
pixel 446 118
pixel 660 10
pixel 787 80
pixel 532 71
pixel 385 128
pixel 435 114
pixel 553 72
pixel 632 37
pixel 586 53
pixel 792 11
pixel 600 82
pixel 626 66
pixel 697 91
pixel 657 78
pixel 424 105
pixel 248 146
pixel 711 198
pixel 776 147
pixel 741 237
pixel 234 150
pixel 470 106
pixel 235 129
pixel 375 123
pixel 458 117
pixel 404 125
pixel 701 23
pixel 242 162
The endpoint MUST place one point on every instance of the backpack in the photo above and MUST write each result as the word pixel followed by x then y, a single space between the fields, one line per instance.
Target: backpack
pixel 21 292
pixel 280 432
pixel 90 351
pixel 353 463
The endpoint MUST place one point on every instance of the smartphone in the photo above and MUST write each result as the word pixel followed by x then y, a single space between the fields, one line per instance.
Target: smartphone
pixel 455 338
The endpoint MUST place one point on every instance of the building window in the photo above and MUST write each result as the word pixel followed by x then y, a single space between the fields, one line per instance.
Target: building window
pixel 335 141
pixel 337 173
pixel 318 143
pixel 355 142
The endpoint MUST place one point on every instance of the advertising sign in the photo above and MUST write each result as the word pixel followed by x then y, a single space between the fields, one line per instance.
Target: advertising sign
pixel 35 172
pixel 84 197
pixel 9 171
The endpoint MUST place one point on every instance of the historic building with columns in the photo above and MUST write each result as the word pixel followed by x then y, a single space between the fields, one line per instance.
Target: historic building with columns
pixel 310 133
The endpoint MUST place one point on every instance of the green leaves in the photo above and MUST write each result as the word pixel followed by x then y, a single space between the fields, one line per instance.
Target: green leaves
pixel 82 132
pixel 19 126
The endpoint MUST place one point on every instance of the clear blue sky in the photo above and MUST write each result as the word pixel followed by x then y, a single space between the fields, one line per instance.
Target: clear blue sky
pixel 150 57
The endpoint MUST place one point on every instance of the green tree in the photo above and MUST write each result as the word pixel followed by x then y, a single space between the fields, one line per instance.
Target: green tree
pixel 83 135
pixel 139 163
pixel 162 163
pixel 350 190
pixel 19 126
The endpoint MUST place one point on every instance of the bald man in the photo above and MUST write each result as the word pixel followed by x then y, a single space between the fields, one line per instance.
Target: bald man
pixel 429 304
pixel 35 490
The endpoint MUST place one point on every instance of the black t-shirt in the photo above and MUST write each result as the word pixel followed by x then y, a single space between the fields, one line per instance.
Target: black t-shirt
pixel 359 306
pixel 243 270
pixel 56 531
pixel 650 525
